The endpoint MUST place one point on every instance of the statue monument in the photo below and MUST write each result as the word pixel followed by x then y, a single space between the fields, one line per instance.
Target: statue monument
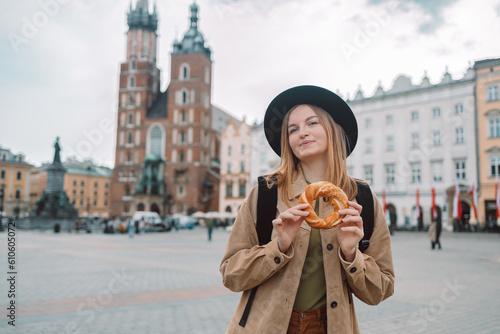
pixel 53 208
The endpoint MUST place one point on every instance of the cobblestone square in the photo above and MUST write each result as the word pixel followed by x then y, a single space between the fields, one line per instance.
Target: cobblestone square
pixel 170 283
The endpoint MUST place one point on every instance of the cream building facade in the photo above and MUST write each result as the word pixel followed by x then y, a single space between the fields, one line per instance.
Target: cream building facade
pixel 15 183
pixel 417 136
pixel 235 166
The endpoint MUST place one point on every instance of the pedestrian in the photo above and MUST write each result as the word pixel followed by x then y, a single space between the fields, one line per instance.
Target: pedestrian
pixel 306 277
pixel 130 228
pixel 435 232
pixel 210 228
pixel 137 227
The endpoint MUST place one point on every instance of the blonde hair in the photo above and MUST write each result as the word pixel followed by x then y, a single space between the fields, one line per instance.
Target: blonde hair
pixel 336 171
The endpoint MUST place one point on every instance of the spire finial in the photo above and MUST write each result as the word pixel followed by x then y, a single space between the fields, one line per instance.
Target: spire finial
pixel 194 14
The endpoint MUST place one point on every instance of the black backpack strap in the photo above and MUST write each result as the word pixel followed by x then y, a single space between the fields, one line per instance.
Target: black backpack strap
pixel 365 198
pixel 266 212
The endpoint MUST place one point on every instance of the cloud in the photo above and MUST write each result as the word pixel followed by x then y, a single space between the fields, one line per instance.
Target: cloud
pixel 432 7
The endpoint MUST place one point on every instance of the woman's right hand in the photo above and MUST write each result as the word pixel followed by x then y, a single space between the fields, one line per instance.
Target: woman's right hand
pixel 287 225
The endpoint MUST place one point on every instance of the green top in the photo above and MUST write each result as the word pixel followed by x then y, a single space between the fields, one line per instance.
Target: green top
pixel 312 287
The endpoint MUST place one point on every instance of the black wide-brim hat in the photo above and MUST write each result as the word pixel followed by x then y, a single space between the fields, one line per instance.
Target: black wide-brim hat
pixel 314 95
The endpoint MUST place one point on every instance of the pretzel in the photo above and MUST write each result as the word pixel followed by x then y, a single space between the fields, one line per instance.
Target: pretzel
pixel 338 199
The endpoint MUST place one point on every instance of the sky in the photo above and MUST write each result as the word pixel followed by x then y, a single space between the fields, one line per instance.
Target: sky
pixel 59 59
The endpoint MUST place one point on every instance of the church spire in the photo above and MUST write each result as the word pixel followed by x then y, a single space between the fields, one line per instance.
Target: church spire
pixel 140 18
pixel 193 40
pixel 194 15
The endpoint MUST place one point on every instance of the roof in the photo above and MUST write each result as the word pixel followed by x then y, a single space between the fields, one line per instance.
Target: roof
pixel 87 167
pixel 485 63
pixel 403 84
pixel 159 108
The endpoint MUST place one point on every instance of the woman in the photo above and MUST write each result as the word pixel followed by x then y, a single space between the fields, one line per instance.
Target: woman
pixel 306 277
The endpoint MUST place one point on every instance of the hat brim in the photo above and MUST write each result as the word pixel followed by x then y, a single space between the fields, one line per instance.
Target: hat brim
pixel 333 104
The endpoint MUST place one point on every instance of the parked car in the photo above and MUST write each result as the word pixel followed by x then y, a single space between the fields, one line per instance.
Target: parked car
pixel 152 221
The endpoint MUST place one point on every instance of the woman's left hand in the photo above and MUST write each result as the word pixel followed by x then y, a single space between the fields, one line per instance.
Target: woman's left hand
pixel 350 230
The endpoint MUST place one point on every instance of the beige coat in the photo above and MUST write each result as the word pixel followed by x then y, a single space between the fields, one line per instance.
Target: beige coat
pixel 246 264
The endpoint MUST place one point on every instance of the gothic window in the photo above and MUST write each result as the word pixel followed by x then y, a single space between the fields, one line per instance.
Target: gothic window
pixel 183 114
pixel 181 156
pixel 155 140
pixel 184 72
pixel 183 137
pixel 132 82
pixel 184 97
pixel 132 64
pixel 130 118
pixel 129 138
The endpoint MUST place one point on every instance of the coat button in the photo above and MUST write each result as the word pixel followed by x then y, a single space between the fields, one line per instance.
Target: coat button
pixel 333 304
pixel 277 260
pixel 353 270
pixel 329 247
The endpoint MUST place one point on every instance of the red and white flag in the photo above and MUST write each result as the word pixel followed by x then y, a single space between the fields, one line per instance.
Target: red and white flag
pixel 473 192
pixel 418 204
pixel 497 197
pixel 434 208
pixel 457 205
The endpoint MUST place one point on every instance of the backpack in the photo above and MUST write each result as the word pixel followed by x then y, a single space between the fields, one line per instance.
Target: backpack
pixel 266 212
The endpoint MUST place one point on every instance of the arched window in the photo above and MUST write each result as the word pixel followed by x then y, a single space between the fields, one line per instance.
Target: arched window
pixel 181 156
pixel 132 64
pixel 129 137
pixel 131 81
pixel 145 46
pixel 183 137
pixel 130 118
pixel 184 72
pixel 183 116
pixel 155 140
pixel 184 97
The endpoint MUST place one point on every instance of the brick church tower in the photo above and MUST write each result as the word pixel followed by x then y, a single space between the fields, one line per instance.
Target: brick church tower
pixel 166 145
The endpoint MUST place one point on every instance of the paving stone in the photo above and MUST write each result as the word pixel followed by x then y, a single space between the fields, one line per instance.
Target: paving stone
pixel 170 283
